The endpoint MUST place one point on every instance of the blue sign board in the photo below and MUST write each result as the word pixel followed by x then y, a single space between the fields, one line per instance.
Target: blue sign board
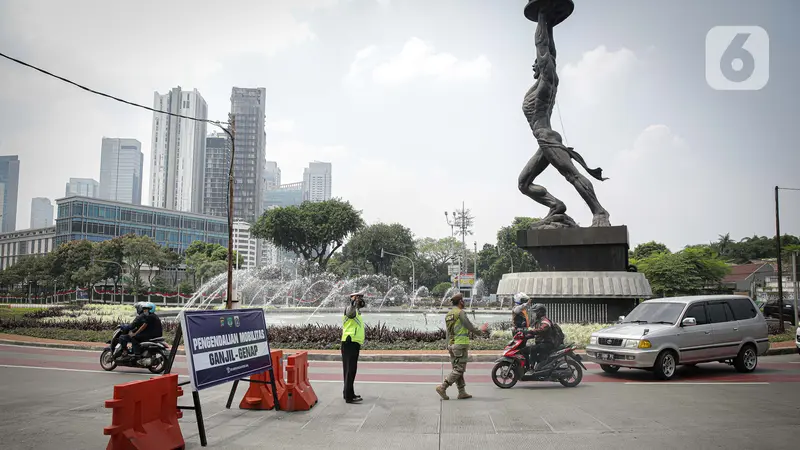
pixel 223 346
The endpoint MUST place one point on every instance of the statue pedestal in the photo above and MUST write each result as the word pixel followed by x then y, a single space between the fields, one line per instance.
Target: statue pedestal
pixel 597 249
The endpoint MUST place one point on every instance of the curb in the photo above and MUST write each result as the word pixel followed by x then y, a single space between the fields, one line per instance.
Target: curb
pixel 313 356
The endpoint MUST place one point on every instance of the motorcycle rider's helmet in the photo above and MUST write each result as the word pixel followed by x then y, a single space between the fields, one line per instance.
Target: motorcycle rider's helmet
pixel 139 307
pixel 539 310
pixel 149 307
pixel 520 298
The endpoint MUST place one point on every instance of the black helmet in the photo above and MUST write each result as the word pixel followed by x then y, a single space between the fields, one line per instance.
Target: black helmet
pixel 539 310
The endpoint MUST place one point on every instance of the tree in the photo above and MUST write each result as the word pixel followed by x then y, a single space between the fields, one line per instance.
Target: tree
pixel 110 255
pixel 689 271
pixel 438 251
pixel 643 251
pixel 313 230
pixel 138 251
pixel 367 243
pixel 496 260
pixel 205 261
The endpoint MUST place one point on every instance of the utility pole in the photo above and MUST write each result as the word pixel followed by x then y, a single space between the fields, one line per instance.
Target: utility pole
pixel 794 284
pixel 231 134
pixel 475 272
pixel 780 265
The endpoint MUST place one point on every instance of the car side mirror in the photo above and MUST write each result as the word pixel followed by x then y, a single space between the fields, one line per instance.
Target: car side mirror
pixel 621 318
pixel 689 322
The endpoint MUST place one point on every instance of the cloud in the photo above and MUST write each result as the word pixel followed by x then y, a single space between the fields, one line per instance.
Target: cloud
pixel 418 59
pixel 593 78
pixel 280 126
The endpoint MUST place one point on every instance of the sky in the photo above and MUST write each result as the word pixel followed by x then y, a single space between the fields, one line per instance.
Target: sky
pixel 417 103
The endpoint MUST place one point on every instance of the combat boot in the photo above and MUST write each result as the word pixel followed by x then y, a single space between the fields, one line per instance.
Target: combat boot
pixel 462 393
pixel 442 390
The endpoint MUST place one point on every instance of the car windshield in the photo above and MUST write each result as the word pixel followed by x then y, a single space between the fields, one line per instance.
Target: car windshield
pixel 655 312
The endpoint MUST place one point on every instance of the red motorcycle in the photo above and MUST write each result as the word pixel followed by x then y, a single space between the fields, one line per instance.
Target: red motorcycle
pixel 563 365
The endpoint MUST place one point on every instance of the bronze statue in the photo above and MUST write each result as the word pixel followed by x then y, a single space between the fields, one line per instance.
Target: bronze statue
pixel 538 108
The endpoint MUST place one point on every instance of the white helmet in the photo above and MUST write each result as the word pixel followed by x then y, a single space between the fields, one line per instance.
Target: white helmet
pixel 520 298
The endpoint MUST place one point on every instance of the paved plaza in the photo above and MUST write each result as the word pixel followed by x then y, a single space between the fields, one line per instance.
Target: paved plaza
pixel 53 398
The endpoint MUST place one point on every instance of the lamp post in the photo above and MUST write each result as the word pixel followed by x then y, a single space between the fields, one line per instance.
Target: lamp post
pixel 780 262
pixel 413 270
pixel 509 258
pixel 452 225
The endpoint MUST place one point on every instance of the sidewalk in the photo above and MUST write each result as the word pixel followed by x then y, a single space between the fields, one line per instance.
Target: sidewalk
pixel 776 348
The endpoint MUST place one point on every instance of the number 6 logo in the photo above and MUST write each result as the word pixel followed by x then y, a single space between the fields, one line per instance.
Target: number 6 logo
pixel 737 58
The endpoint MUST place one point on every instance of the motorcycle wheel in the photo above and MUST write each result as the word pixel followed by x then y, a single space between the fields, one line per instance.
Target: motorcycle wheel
pixel 504 375
pixel 159 363
pixel 576 377
pixel 107 361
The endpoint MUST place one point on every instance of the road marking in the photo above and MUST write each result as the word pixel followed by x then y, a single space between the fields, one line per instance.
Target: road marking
pixel 493 427
pixel 11 366
pixel 653 383
pixel 548 424
pixel 368 412
pixel 599 421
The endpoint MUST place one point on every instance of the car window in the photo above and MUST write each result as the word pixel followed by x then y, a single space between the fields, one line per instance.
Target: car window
pixel 717 313
pixel 697 311
pixel 742 308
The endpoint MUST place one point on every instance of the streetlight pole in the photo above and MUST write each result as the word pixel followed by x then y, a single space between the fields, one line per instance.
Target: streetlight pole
pixel 794 284
pixel 413 270
pixel 508 255
pixel 780 262
pixel 230 132
pixel 475 272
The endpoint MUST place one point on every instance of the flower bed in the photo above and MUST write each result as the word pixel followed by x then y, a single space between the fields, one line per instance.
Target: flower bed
pixel 96 323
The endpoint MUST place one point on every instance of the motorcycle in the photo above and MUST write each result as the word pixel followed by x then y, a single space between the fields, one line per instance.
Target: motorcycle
pixel 563 365
pixel 153 353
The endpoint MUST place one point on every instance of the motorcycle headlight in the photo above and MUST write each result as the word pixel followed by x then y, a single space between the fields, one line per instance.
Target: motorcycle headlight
pixel 631 343
pixel 593 340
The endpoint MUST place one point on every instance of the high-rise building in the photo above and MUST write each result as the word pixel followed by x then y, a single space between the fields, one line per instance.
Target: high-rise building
pixel 245 245
pixel 9 189
pixel 85 187
pixel 317 182
pixel 121 170
pixel 41 213
pixel 215 179
pixel 178 151
pixel 248 108
pixel 273 175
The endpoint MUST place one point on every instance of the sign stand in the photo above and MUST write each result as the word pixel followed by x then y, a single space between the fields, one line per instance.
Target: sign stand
pixel 271 383
pixel 198 410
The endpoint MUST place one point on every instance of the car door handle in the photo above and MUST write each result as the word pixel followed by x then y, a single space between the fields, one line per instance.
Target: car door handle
pixel 736 329
pixel 707 332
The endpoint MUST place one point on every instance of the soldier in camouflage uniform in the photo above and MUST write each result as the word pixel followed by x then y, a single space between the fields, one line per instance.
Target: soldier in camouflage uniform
pixel 458 329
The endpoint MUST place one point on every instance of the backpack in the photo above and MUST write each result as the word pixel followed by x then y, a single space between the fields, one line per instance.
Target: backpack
pixel 558 334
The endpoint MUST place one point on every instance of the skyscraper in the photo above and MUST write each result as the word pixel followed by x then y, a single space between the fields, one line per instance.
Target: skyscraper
pixel 215 188
pixel 9 187
pixel 41 212
pixel 178 151
pixel 85 187
pixel 248 108
pixel 273 175
pixel 317 182
pixel 121 170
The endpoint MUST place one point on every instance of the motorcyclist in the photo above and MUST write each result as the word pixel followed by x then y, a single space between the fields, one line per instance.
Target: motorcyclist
pixel 146 326
pixel 542 333
pixel 519 314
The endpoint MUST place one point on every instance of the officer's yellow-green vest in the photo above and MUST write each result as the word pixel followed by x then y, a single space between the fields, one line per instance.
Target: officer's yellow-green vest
pixel 459 335
pixel 354 328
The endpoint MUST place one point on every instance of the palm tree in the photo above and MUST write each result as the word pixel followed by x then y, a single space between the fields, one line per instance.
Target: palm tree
pixel 724 243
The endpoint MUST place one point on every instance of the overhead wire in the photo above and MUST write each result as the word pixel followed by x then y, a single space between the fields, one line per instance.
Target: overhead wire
pixel 109 96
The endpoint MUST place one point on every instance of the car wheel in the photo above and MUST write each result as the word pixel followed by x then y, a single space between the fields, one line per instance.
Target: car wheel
pixel 607 368
pixel 747 359
pixel 666 364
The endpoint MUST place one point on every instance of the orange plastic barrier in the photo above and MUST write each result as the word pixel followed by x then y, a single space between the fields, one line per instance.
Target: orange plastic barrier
pixel 145 415
pixel 259 395
pixel 300 395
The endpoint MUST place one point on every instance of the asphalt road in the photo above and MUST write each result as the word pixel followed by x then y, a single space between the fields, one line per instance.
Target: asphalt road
pixel 53 398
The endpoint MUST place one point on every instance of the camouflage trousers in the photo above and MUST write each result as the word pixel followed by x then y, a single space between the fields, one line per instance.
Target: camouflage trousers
pixel 458 359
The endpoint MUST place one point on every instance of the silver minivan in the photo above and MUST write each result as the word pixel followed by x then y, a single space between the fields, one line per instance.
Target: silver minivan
pixel 661 334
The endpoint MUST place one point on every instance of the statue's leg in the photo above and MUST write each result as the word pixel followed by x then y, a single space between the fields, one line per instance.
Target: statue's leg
pixel 537 193
pixel 561 160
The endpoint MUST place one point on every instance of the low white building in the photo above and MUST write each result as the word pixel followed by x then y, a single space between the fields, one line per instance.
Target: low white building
pixel 24 243
pixel 245 244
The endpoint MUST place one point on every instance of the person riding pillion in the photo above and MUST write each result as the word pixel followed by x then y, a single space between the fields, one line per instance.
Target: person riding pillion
pixel 519 314
pixel 542 333
pixel 352 340
pixel 458 329
pixel 146 326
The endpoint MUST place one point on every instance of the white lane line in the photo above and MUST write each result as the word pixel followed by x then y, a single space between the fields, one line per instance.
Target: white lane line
pixel 493 427
pixel 650 383
pixel 136 374
pixel 548 424
pixel 368 412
